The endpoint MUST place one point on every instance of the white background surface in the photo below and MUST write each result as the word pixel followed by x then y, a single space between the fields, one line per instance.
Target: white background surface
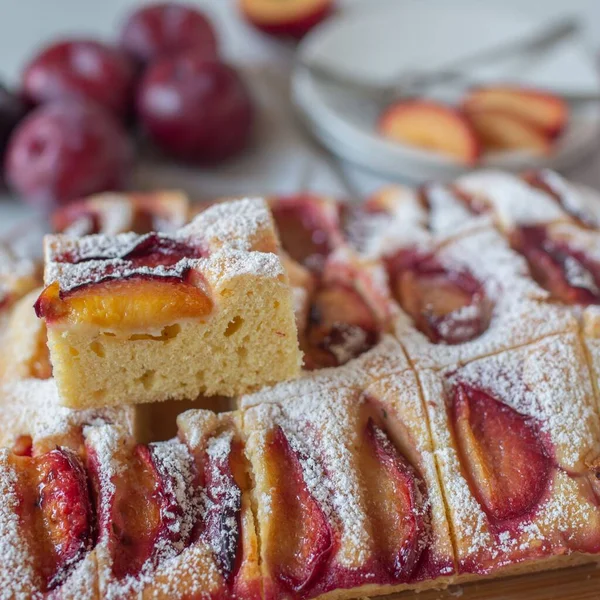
pixel 282 160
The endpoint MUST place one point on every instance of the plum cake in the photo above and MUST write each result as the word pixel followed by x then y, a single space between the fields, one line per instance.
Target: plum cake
pixel 141 318
pixel 444 426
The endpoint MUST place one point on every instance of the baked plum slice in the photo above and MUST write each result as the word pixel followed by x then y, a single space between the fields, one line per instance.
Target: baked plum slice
pixel 568 274
pixel 394 503
pixel 298 549
pixel 448 306
pixel 139 511
pixel 341 326
pixel 502 452
pixel 56 510
pixel 135 303
pixel 308 228
pixel 222 470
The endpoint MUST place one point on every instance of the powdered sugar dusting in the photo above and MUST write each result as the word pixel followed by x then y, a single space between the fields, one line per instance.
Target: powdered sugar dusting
pixel 229 264
pixel 174 464
pixel 228 232
pixel 514 201
pixel 233 223
pixel 31 407
pixel 448 214
pixel 321 434
pixel 222 501
pixel 17 577
pixel 402 225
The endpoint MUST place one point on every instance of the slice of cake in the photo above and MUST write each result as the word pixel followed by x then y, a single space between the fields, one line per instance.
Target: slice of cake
pixel 347 498
pixel 516 437
pixel 206 310
pixel 175 517
pixel 47 512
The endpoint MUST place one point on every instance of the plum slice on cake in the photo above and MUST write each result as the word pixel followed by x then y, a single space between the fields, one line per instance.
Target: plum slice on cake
pixel 47 525
pixel 564 259
pixel 308 227
pixel 448 306
pixel 140 318
pixel 342 311
pixel 112 213
pixel 516 438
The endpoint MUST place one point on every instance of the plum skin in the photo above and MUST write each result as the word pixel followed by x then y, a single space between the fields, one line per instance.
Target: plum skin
pixel 166 29
pixel 67 150
pixel 195 110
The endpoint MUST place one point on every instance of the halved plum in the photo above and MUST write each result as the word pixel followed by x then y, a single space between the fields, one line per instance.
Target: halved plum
pixel 502 452
pixel 222 517
pixel 299 545
pixel 448 306
pixel 57 512
pixel 568 274
pixel 306 230
pixel 394 503
pixel 341 326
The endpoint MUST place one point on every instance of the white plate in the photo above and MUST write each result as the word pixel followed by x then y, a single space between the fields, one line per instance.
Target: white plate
pixel 377 43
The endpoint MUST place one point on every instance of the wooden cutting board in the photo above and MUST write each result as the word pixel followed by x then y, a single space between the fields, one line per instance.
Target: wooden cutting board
pixel 574 583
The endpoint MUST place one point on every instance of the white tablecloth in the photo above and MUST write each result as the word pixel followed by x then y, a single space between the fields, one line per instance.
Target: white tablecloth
pixel 282 158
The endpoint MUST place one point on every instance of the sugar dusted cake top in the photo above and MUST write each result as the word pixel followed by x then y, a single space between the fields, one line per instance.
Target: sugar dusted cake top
pixel 234 227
